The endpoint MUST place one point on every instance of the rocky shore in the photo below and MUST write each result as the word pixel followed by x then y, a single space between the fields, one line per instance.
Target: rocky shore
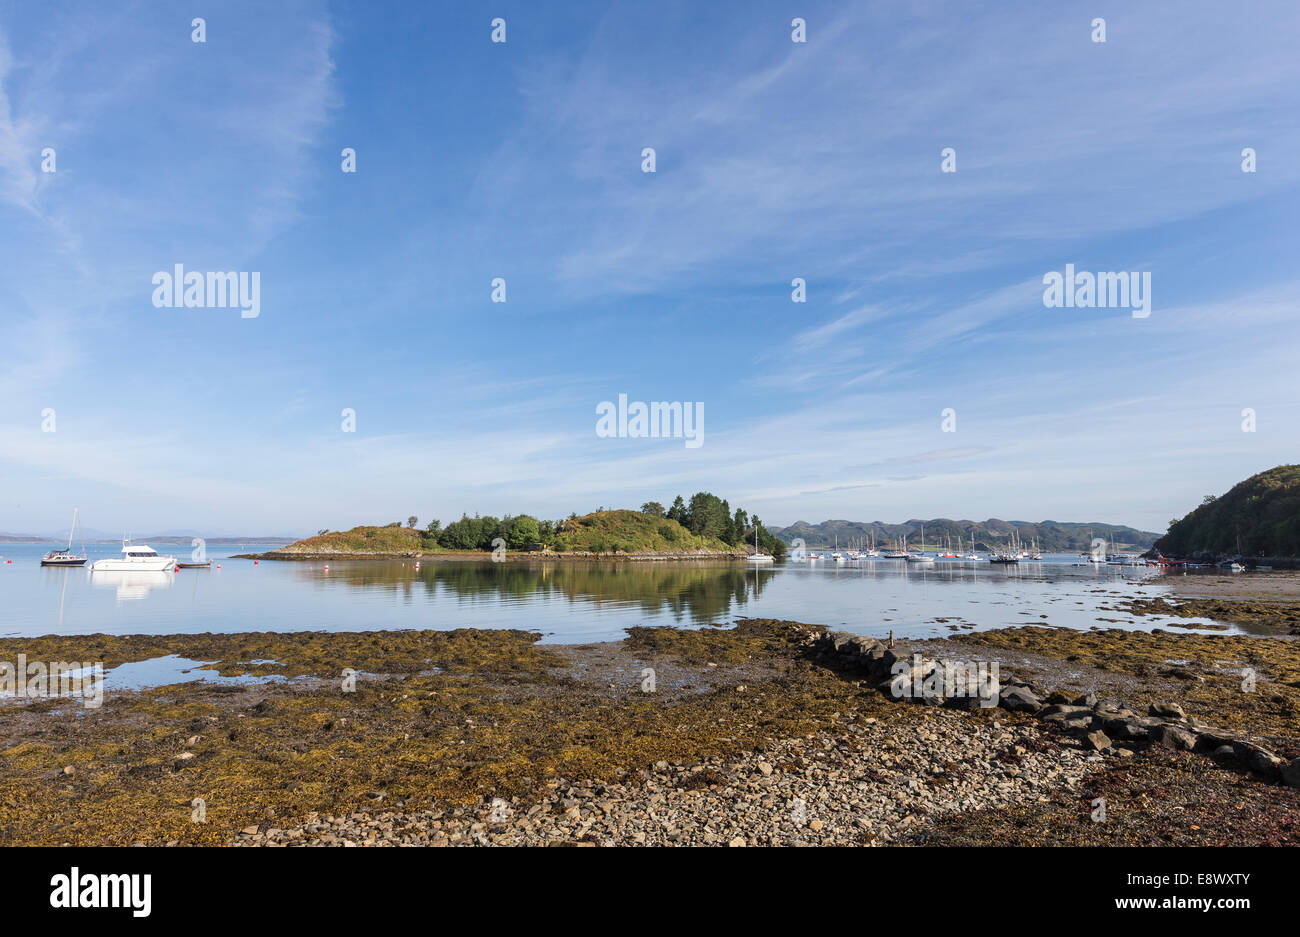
pixel 868 784
pixel 1100 725
pixel 758 733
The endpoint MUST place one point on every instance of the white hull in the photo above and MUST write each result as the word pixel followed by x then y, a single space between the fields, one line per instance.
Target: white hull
pixel 155 564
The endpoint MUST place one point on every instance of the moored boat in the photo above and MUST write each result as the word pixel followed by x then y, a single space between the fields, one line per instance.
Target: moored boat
pixel 66 557
pixel 136 557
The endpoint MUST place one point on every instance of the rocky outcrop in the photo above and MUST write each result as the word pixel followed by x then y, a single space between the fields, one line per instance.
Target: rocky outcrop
pixel 1101 727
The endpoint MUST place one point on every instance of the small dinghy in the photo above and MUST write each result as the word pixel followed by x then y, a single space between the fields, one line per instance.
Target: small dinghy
pixel 206 565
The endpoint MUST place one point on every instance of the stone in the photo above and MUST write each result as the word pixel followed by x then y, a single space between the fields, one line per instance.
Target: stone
pixel 1260 760
pixel 1018 699
pixel 738 841
pixel 1088 699
pixel 816 826
pixel 839 641
pixel 1130 728
pixel 1060 709
pixel 1096 741
pixel 1291 773
pixel 1173 736
pixel 1166 711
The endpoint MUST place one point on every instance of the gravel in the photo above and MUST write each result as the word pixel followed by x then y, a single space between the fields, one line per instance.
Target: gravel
pixel 872 782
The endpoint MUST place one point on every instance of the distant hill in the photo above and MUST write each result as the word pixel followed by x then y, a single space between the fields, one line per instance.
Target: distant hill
pixel 364 540
pixel 632 532
pixel 1262 514
pixel 629 532
pixel 99 536
pixel 1052 536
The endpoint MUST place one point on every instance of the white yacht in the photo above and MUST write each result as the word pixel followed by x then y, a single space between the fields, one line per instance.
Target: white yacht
pixel 758 557
pixel 136 557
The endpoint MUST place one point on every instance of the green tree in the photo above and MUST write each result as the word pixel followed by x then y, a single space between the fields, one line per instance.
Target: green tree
pixel 707 516
pixel 678 511
pixel 653 507
pixel 412 521
pixel 521 532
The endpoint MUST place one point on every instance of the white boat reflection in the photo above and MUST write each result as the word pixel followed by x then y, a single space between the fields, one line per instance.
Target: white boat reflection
pixel 134 585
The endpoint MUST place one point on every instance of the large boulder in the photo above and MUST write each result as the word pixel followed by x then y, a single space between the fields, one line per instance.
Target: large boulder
pixel 1258 759
pixel 1019 699
pixel 1066 711
pixel 1130 728
pixel 1291 773
pixel 1173 737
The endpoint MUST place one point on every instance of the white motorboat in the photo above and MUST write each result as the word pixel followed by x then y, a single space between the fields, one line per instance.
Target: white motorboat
pixel 137 558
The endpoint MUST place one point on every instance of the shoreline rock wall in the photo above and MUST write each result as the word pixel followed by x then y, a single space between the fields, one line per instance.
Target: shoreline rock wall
pixel 1100 726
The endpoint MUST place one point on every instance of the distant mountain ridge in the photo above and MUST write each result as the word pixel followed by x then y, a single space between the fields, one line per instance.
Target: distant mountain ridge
pixel 99 536
pixel 1052 536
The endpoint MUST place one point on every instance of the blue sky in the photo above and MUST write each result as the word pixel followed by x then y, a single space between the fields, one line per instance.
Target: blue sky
pixel 522 160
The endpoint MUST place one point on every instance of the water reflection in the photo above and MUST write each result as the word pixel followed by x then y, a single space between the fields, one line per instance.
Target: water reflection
pixel 699 592
pixel 131 585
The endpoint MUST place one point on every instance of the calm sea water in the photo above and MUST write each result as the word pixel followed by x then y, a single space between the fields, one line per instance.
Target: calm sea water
pixel 567 602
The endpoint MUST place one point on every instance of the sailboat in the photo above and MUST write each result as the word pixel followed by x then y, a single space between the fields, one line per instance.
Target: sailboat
pixel 66 557
pixel 757 557
pixel 921 557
